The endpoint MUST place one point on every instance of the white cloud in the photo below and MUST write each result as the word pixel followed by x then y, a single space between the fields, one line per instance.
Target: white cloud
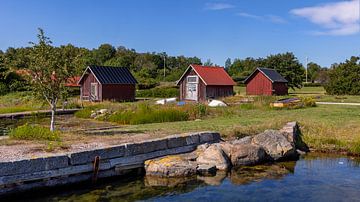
pixel 248 15
pixel 218 6
pixel 339 18
pixel 271 18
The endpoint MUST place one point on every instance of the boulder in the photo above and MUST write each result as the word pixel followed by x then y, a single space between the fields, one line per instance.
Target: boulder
pixel 247 154
pixel 170 166
pixel 214 155
pixel 244 140
pixel 276 144
pixel 206 169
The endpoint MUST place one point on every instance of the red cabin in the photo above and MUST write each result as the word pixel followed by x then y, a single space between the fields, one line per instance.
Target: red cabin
pixel 264 81
pixel 100 83
pixel 199 83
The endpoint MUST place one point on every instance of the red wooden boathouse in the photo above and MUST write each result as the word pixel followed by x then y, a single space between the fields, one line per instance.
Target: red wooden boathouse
pixel 200 83
pixel 100 83
pixel 264 81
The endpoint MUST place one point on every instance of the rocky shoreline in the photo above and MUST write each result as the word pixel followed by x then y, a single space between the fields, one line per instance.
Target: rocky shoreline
pixel 269 146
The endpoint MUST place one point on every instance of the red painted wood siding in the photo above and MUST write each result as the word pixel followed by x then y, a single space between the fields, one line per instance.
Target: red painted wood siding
pixel 201 87
pixel 259 84
pixel 118 92
pixel 219 91
pixel 280 89
pixel 86 85
pixel 205 92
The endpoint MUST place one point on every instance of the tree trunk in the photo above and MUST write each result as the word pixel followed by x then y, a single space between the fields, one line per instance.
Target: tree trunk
pixel 52 123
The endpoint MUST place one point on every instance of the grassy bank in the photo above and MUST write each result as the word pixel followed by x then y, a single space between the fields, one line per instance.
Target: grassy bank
pixel 323 127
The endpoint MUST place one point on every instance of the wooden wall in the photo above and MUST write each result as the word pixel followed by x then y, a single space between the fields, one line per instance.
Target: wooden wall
pixel 259 84
pixel 118 92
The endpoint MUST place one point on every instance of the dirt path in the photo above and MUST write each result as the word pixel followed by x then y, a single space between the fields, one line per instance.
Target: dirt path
pixel 338 103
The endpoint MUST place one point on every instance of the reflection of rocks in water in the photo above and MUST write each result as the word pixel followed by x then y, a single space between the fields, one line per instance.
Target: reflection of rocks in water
pixel 156 181
pixel 214 180
pixel 248 174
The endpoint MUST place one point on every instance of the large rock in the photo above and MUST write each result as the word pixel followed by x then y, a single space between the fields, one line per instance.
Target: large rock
pixel 276 144
pixel 292 132
pixel 247 154
pixel 214 155
pixel 170 166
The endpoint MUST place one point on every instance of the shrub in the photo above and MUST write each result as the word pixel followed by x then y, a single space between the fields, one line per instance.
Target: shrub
pixel 33 132
pixel 312 84
pixel 3 89
pixel 145 114
pixel 308 102
pixel 163 92
pixel 84 113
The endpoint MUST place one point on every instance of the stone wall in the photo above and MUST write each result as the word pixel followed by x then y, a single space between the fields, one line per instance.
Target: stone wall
pixel 75 167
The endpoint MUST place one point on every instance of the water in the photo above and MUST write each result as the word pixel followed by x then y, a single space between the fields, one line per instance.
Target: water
pixel 7 124
pixel 314 177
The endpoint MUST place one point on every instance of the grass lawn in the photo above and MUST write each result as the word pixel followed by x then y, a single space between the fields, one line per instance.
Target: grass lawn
pixel 323 127
pixel 25 101
pixel 316 92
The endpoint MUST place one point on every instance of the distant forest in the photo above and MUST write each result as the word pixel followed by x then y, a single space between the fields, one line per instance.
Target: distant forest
pixel 148 68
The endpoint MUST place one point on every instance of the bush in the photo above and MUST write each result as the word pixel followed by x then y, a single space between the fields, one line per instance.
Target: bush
pixel 3 89
pixel 312 84
pixel 308 102
pixel 163 92
pixel 33 132
pixel 84 113
pixel 145 114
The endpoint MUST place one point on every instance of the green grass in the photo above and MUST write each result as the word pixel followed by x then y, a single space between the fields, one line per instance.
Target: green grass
pixel 324 127
pixel 25 101
pixel 33 132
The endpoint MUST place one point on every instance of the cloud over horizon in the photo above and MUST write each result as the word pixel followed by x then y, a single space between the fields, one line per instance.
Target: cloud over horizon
pixel 339 18
pixel 218 6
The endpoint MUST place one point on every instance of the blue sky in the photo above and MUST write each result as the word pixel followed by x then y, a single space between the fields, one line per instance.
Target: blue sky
pixel 326 31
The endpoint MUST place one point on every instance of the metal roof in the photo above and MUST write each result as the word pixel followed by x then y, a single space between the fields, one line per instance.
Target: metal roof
pixel 216 76
pixel 271 74
pixel 111 75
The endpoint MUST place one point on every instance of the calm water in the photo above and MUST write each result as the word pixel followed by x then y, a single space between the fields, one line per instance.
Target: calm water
pixel 314 177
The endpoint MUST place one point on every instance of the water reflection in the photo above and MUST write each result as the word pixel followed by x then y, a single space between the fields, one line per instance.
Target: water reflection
pixel 314 177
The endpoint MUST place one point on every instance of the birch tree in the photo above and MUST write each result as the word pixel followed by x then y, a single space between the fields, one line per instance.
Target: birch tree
pixel 49 69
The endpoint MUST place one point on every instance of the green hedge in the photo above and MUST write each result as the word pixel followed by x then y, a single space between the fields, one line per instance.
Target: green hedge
pixel 164 92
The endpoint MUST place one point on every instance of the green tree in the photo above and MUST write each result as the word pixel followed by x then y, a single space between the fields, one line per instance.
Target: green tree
pixel 208 63
pixel 288 66
pixel 49 72
pixel 104 53
pixel 227 63
pixel 344 78
pixel 313 70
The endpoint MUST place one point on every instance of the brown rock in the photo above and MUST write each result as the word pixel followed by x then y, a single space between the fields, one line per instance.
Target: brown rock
pixel 170 166
pixel 247 154
pixel 275 144
pixel 214 155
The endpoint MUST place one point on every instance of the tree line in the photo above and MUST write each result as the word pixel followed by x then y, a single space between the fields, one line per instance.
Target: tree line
pixel 148 68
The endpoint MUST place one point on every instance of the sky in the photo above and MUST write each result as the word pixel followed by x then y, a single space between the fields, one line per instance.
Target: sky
pixel 325 31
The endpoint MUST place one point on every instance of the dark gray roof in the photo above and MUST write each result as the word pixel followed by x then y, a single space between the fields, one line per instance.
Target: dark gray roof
pixel 271 74
pixel 112 75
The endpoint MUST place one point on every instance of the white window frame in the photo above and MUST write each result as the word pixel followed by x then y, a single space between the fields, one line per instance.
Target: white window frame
pixel 196 78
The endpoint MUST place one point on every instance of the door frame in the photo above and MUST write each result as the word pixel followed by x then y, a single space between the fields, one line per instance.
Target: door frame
pixel 190 81
pixel 96 91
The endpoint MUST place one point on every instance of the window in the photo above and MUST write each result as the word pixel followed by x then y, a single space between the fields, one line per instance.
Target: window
pixel 192 79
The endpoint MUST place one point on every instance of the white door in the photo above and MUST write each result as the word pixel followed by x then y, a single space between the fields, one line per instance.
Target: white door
pixel 94 91
pixel 192 88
